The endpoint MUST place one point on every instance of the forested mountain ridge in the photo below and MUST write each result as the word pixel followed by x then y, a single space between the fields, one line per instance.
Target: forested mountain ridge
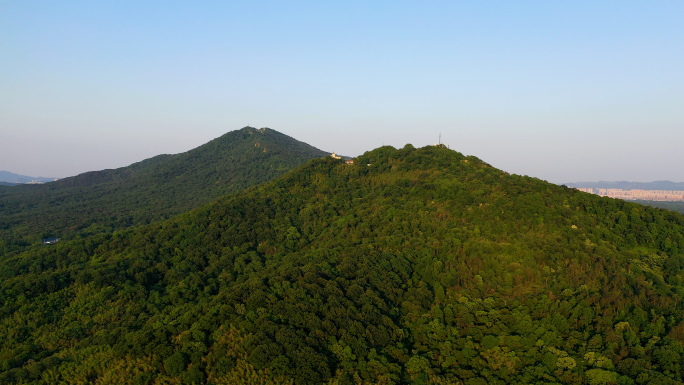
pixel 149 190
pixel 414 266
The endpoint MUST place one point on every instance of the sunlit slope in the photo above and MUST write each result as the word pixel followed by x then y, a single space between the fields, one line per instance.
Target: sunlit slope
pixel 410 266
pixel 150 190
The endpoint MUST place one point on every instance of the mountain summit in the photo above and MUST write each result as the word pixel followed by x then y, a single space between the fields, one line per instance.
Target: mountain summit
pixel 153 189
pixel 407 266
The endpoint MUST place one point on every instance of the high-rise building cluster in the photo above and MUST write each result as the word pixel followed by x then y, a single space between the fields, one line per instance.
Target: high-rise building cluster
pixel 650 195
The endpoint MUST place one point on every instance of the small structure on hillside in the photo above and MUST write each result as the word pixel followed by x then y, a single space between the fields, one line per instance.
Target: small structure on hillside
pixel 349 161
pixel 335 156
pixel 50 241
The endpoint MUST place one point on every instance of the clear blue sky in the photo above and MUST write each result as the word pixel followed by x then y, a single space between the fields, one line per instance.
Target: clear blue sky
pixel 563 91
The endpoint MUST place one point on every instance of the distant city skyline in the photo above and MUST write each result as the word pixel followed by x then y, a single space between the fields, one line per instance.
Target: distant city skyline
pixel 634 194
pixel 566 92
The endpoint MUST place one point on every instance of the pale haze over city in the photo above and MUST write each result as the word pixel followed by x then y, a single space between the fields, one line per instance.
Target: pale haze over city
pixel 562 91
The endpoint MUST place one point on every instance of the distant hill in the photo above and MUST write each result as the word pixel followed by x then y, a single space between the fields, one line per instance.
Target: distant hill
pixel 410 266
pixel 149 190
pixel 658 185
pixel 8 184
pixel 6 176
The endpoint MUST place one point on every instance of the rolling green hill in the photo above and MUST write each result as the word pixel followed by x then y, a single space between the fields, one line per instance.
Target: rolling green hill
pixel 412 266
pixel 153 189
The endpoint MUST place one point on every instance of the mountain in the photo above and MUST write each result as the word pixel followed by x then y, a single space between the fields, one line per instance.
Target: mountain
pixel 658 185
pixel 410 266
pixel 150 190
pixel 6 176
pixel 8 184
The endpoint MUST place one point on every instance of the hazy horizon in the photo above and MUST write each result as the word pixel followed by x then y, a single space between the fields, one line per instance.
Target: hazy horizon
pixel 565 92
pixel 556 182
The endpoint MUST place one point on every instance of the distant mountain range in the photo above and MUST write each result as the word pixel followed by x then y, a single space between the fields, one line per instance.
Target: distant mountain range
pixel 13 179
pixel 152 189
pixel 658 185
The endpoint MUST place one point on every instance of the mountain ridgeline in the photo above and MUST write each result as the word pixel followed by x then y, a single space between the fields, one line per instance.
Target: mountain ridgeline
pixel 11 179
pixel 410 266
pixel 153 189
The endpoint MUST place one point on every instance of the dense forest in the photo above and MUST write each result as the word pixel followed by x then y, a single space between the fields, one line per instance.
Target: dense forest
pixel 151 190
pixel 411 266
pixel 673 206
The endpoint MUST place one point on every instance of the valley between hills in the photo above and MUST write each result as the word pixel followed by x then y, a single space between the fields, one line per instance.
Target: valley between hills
pixel 258 259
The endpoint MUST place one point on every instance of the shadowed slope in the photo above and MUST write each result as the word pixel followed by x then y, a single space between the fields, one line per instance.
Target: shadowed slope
pixel 153 189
